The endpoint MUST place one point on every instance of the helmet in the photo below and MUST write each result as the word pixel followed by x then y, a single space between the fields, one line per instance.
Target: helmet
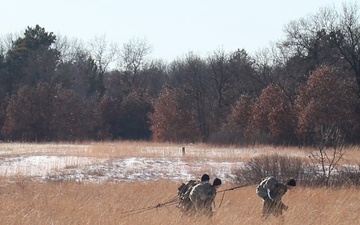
pixel 291 182
pixel 205 177
pixel 217 182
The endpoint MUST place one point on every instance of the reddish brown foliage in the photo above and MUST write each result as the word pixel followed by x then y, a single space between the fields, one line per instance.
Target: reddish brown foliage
pixel 328 98
pixel 28 113
pixel 45 113
pixel 272 112
pixel 172 121
pixel 240 116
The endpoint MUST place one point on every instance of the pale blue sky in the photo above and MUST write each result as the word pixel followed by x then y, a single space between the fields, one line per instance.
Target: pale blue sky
pixel 172 28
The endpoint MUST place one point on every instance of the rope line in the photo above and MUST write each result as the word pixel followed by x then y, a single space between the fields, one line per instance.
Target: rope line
pixel 222 198
pixel 230 189
pixel 172 201
pixel 233 188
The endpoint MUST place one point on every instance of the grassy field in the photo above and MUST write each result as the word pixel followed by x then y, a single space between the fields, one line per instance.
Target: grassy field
pixel 123 203
pixel 27 202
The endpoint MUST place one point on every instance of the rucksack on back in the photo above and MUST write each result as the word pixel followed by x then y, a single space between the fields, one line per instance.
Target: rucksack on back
pixel 184 189
pixel 202 192
pixel 208 192
pixel 268 183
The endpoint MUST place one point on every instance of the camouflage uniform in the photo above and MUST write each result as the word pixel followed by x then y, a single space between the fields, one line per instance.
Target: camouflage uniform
pixel 202 196
pixel 184 190
pixel 271 191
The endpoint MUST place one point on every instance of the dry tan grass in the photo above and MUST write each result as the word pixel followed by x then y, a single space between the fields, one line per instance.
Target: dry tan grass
pixel 145 149
pixel 24 202
pixel 152 149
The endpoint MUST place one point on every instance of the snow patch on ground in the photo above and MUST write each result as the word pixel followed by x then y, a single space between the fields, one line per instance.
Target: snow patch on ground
pixel 40 165
pixel 86 169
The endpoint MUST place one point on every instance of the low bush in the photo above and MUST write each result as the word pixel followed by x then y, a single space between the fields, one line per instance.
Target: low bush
pixel 281 167
pixel 284 167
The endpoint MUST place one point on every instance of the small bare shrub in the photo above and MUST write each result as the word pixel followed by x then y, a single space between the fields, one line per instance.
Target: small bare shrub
pixel 347 177
pixel 329 153
pixel 281 167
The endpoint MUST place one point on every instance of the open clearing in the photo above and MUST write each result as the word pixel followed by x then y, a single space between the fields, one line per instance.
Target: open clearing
pixel 123 161
pixel 123 183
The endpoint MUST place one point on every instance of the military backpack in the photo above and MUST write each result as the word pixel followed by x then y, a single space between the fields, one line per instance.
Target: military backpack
pixel 269 183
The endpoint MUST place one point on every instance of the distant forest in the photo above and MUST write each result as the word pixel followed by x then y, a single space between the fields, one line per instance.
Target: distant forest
pixel 302 90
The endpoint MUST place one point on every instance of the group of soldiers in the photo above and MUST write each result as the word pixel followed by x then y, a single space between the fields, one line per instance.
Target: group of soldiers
pixel 198 196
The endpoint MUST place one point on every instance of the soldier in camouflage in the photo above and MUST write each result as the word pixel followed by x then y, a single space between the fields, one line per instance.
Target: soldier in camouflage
pixel 185 205
pixel 271 191
pixel 203 195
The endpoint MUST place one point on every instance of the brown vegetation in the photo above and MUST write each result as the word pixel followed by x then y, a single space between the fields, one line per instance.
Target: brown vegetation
pixel 27 202
pixel 24 202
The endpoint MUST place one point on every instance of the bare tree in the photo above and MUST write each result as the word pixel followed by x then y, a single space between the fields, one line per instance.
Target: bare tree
pixel 346 37
pixel 133 56
pixel 219 85
pixel 133 60
pixel 103 52
pixel 329 151
pixel 69 48
pixel 7 40
pixel 190 75
pixel 329 37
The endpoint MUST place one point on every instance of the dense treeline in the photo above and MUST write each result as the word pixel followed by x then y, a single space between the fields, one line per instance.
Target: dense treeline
pixel 55 89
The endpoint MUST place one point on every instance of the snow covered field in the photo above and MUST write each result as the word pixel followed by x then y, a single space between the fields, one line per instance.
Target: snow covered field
pixel 67 162
pixel 87 169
